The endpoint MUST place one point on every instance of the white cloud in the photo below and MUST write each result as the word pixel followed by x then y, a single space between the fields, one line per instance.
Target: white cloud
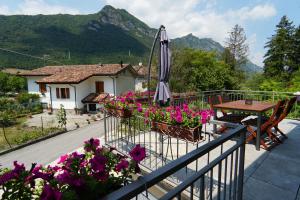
pixel 34 7
pixel 255 13
pixel 4 10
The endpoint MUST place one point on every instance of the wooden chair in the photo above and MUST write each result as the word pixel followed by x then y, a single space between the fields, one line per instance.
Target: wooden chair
pixel 282 116
pixel 265 125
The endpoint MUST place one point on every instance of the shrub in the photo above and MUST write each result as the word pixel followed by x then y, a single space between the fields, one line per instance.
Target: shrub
pixel 26 98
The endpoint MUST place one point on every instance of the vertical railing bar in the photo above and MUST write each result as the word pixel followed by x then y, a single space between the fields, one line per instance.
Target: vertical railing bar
pixel 225 179
pixel 235 174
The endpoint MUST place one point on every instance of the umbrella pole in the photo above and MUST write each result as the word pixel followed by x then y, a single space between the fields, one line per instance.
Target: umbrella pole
pixel 150 60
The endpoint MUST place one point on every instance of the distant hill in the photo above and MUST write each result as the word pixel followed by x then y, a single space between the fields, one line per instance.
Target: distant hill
pixel 191 41
pixel 207 44
pixel 109 36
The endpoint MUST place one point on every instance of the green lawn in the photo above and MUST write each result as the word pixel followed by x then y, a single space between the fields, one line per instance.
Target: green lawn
pixel 20 133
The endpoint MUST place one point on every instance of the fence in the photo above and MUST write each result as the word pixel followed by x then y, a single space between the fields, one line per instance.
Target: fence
pixel 201 99
pixel 206 169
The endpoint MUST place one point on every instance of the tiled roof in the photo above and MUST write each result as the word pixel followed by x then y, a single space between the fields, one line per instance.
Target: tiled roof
pixel 95 98
pixel 141 70
pixel 76 73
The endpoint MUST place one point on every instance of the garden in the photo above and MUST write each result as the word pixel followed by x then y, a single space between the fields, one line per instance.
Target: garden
pixel 13 114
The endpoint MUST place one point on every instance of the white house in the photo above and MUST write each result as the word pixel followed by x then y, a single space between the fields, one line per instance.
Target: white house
pixel 80 86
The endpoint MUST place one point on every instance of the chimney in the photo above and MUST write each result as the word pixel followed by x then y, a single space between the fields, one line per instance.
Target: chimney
pixel 121 63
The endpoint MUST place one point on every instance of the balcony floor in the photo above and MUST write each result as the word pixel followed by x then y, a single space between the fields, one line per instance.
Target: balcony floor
pixel 275 174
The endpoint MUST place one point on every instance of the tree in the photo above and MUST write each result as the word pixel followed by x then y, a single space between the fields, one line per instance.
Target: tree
pixel 278 59
pixel 296 48
pixel 200 70
pixel 237 46
pixel 11 83
pixel 62 117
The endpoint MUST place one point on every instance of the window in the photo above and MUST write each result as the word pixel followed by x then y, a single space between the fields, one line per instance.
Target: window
pixel 62 93
pixel 43 88
pixel 99 87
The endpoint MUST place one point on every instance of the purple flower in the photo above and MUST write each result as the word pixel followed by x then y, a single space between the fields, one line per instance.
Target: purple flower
pixel 91 144
pixel 98 163
pixel 50 193
pixel 18 168
pixel 7 177
pixel 123 164
pixel 102 175
pixel 138 153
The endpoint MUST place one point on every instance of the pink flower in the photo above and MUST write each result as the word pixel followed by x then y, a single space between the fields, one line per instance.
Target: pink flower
pixel 186 108
pixel 140 109
pixel 205 115
pixel 179 118
pixel 123 164
pixel 138 153
pixel 63 158
pixel 122 99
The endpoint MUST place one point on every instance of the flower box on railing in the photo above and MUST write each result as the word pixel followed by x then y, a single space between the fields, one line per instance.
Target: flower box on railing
pixel 119 112
pixel 177 131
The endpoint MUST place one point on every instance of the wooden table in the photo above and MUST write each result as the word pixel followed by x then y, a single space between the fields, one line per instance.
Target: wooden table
pixel 257 107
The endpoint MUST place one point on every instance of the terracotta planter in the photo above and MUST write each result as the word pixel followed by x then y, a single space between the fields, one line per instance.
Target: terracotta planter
pixel 185 133
pixel 123 113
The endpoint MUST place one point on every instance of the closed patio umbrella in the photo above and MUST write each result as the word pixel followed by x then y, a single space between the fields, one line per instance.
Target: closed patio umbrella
pixel 162 93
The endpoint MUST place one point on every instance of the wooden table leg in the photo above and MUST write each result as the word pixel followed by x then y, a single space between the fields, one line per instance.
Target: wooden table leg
pixel 215 118
pixel 258 131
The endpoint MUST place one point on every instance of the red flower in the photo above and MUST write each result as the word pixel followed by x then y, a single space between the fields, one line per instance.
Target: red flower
pixel 138 153
pixel 98 163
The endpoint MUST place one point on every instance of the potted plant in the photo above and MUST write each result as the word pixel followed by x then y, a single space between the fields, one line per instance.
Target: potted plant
pixel 92 174
pixel 174 121
pixel 121 106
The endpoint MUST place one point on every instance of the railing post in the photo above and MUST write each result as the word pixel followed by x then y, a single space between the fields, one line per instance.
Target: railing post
pixel 241 166
pixel 105 130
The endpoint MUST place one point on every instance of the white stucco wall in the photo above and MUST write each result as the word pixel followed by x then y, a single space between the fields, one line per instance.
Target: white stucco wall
pixel 125 82
pixel 139 85
pixel 108 83
pixel 34 88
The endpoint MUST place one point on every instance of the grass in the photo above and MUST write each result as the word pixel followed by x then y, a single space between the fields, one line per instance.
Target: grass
pixel 20 134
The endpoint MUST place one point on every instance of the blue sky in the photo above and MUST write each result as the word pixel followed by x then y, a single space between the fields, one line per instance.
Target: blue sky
pixel 203 18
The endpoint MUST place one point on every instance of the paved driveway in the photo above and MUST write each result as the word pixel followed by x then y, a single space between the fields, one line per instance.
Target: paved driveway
pixel 49 150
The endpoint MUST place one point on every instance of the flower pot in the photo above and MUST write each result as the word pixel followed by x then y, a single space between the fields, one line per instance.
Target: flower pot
pixel 123 113
pixel 190 134
pixel 176 131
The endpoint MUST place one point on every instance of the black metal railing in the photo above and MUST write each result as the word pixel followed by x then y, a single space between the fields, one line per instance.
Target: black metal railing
pixel 214 170
pixel 201 98
pixel 207 169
